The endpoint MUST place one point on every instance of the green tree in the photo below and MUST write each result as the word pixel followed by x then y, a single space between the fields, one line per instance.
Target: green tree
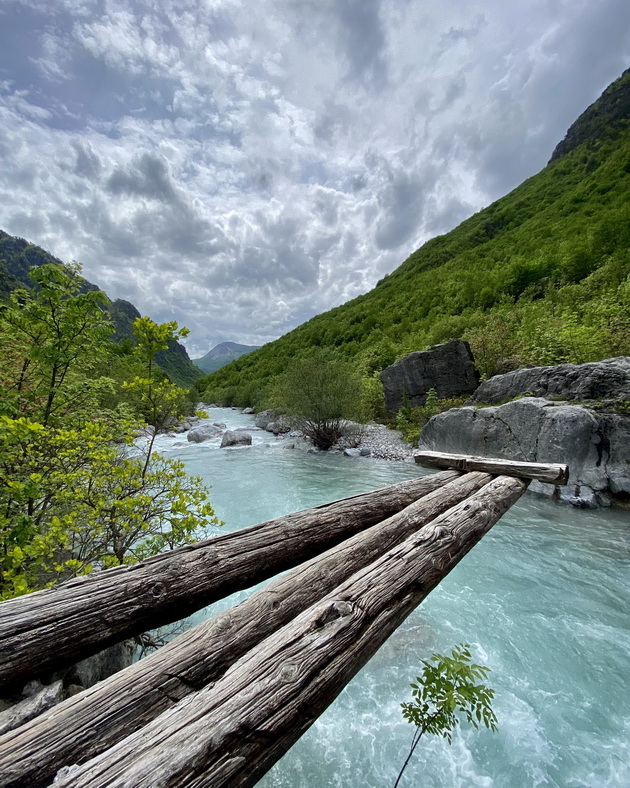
pixel 448 685
pixel 74 493
pixel 320 393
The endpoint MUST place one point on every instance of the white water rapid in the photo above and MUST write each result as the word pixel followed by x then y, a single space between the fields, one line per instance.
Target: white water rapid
pixel 544 601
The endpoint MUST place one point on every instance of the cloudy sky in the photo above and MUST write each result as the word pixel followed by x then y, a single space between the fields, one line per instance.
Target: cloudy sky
pixel 241 166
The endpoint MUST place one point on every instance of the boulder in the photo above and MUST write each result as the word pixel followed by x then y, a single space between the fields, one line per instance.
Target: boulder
pixel 279 426
pixel 448 368
pixel 32 706
pixel 352 452
pixel 101 665
pixel 203 433
pixel 264 418
pixel 609 379
pixel 248 411
pixel 594 445
pixel 233 438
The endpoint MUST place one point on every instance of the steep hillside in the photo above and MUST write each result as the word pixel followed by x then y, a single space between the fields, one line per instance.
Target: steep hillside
pixel 17 256
pixel 222 354
pixel 540 276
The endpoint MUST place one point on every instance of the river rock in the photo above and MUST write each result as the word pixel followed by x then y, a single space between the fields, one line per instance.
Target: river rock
pixel 248 411
pixel 29 708
pixel 608 379
pixel 594 445
pixel 448 368
pixel 101 665
pixel 264 418
pixel 279 426
pixel 203 433
pixel 234 438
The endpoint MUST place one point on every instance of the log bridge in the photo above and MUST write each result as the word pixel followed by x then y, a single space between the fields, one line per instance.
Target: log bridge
pixel 220 704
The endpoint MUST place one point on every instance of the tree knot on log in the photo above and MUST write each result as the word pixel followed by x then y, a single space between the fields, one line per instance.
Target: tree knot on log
pixel 337 609
pixel 158 590
pixel 289 672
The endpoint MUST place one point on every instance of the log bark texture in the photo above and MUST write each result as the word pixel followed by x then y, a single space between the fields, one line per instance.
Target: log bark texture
pixel 53 629
pixel 96 719
pixel 551 473
pixel 232 732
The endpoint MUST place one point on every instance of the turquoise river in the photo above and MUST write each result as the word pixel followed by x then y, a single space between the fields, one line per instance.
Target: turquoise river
pixel 543 600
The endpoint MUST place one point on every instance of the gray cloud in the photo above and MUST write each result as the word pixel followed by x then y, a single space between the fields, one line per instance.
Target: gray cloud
pixel 240 167
pixel 148 177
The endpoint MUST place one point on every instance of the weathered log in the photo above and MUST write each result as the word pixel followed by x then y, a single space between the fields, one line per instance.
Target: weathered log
pixel 232 732
pixel 551 473
pixel 92 721
pixel 52 629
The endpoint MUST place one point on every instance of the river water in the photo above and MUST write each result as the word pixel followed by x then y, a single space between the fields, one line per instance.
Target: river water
pixel 543 600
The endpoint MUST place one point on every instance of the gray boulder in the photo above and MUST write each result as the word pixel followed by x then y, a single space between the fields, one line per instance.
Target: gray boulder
pixel 264 418
pixel 32 706
pixel 594 445
pixel 233 438
pixel 279 426
pixel 609 379
pixel 448 368
pixel 101 665
pixel 203 433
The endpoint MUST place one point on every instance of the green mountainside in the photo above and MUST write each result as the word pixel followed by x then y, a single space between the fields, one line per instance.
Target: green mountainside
pixel 17 256
pixel 222 354
pixel 541 276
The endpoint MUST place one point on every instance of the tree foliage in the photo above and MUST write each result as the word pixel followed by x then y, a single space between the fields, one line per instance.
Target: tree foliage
pixel 320 393
pixel 448 686
pixel 75 492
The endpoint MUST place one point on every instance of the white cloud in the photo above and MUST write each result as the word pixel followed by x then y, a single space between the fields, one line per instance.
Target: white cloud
pixel 242 166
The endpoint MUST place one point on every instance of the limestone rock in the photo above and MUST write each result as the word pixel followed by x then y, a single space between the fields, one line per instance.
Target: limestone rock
pixel 31 707
pixel 101 665
pixel 279 426
pixel 594 445
pixel 233 438
pixel 264 418
pixel 448 368
pixel 609 379
pixel 203 433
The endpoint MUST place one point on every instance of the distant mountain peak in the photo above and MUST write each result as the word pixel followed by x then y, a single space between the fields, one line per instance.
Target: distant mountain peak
pixel 222 354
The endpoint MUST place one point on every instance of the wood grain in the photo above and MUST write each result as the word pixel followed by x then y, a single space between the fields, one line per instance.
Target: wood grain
pixel 92 721
pixel 230 733
pixel 544 472
pixel 52 629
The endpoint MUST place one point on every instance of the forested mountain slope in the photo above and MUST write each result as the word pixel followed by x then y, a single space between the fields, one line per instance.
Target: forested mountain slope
pixel 17 256
pixel 539 276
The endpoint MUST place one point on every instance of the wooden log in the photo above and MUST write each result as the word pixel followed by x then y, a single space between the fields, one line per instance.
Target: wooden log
pixel 94 720
pixel 551 473
pixel 232 732
pixel 52 629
